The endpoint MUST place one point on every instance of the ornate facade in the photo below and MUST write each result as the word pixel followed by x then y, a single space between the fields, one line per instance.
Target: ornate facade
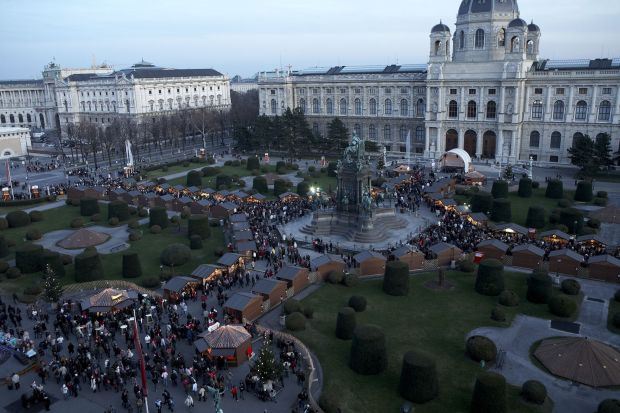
pixel 484 89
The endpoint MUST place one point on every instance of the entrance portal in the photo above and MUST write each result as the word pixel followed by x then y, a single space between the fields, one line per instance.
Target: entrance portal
pixel 452 140
pixel 489 142
pixel 471 138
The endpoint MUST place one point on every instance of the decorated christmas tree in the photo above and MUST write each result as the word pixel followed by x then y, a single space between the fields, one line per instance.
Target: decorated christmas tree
pixel 52 290
pixel 267 367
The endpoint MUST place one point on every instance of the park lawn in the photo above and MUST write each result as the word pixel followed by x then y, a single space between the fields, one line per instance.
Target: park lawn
pixel 158 173
pixel 323 181
pixel 433 321
pixel 614 308
pixel 209 181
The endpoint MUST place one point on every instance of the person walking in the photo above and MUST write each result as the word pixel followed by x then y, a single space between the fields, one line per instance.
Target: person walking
pixel 15 381
pixel 234 393
pixel 65 391
pixel 189 401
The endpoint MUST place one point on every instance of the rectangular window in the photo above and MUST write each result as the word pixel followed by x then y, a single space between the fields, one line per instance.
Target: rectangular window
pixel 329 90
pixel 343 90
pixel 606 91
pixel 403 148
pixel 373 91
pixel 538 91
pixel 404 90
pixel 472 91
pixel 453 91
pixel 159 92
pixel 583 90
pixel 537 110
pixel 492 91
pixel 559 91
pixel 315 91
pixel 553 159
pixel 388 148
pixel 273 91
pixel 388 91
pixel 357 91
pixel 419 150
pixel 534 157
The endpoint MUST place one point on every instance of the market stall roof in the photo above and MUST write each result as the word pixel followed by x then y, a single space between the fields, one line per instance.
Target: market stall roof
pixel 449 202
pixel 289 194
pixel 594 237
pixel 604 258
pixel 555 233
pixel 403 250
pixel 109 298
pixel 238 218
pixel 239 194
pixel 581 360
pixel 176 284
pixel 178 187
pixel 441 247
pixel 258 196
pixel 479 216
pixel 529 248
pixel 566 253
pixel 493 243
pixel 167 198
pixel 243 235
pixel 366 255
pixel 289 272
pixel 512 227
pixel 474 175
pixel 239 301
pixel 325 259
pixel 205 271
pixel 193 189
pixel 228 337
pixel 239 226
pixel 228 206
pixel 246 246
pixel 267 285
pixel 228 259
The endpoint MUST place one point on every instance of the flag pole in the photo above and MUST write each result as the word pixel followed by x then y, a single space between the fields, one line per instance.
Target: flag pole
pixel 136 338
pixel 8 177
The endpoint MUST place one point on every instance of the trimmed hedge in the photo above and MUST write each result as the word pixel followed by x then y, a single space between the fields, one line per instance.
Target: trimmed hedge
pixel 358 303
pixel 555 189
pixel 131 265
pixel 617 296
pixel 28 258
pixel 534 391
pixel 303 188
pixel 89 207
pixel 490 278
pixel 259 184
pixel 335 277
pixel 13 273
pixel 158 216
pixel 525 188
pixel 150 282
pixel 616 320
pixel 118 209
pixel 508 298
pixel 36 216
pixel 33 234
pixel 499 189
pixel 175 255
pixel 194 178
pixel 77 222
pixel 4 266
pixel 396 278
pixel 489 394
pixel 539 287
pixel 18 219
pixel 210 171
pixel 24 202
pixel 280 186
pixel 467 266
pixel 195 242
pixel 291 306
pixel 4 224
pixel 482 202
pixel 350 280
pixel 4 247
pixel 584 193
pixel 569 216
pixel 609 406
pixel 562 306
pixel 498 314
pixel 252 163
pixel 418 378
pixel 535 217
pixel 198 225
pixel 295 322
pixel 88 266
pixel 501 211
pixel 345 323
pixel 222 181
pixel 368 351
pixel 481 348
pixel 571 287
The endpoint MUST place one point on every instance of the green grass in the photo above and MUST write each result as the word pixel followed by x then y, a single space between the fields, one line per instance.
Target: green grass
pixel 209 181
pixel 614 307
pixel 323 181
pixel 433 321
pixel 158 173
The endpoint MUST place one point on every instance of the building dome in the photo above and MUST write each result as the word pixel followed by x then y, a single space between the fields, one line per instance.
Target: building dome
pixel 533 28
pixel 440 28
pixel 488 6
pixel 517 23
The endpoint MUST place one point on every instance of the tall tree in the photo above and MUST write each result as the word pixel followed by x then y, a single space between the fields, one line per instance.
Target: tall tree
pixel 297 134
pixel 52 290
pixel 602 150
pixel 582 155
pixel 266 365
pixel 337 135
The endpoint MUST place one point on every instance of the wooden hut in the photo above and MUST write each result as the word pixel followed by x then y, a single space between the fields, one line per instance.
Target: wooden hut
pixel 592 241
pixel 206 273
pixel 555 237
pixel 445 253
pixel 256 198
pixel 230 261
pixel 166 201
pixel 117 195
pixel 604 268
pixel 478 219
pixel 246 248
pixel 231 342
pixel 288 196
pixel 108 300
pixel 565 261
pixel 370 262
pixel 240 226
pixel 295 277
pixel 270 289
pixel 527 256
pixel 512 228
pixel 75 192
pixel 223 210
pixel 180 203
pixel 146 200
pixel 493 248
pixel 324 264
pixel 174 288
pixel 244 307
pixel 97 192
pixel 413 258
pixel 242 235
pixel 236 218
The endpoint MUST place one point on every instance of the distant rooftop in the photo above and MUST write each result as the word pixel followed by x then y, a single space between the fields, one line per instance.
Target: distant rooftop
pixel 348 70
pixel 577 64
pixel 146 70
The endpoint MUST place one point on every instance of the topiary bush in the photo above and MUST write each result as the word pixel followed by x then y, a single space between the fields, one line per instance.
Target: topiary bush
pixel 330 400
pixel 259 184
pixel 500 189
pixel 571 287
pixel 13 273
pixel 33 234
pixel 222 181
pixel 573 219
pixel 534 391
pixel 490 278
pixel 175 255
pixel 481 202
pixel 155 229
pixel 498 314
pixel 345 323
pixel 489 394
pixel 4 224
pixel 295 322
pixel 198 225
pixel 583 193
pixel 308 312
pixel 36 216
pixel 609 406
pixel 280 186
pixel 150 282
pixel 252 163
pixel 396 278
pixel 4 247
pixel 303 188
pixel 617 296
pixel 143 212
pixel 33 290
pixel 18 219
pixel 467 266
pixel 525 188
pixel 95 218
pixel 600 201
pixel 350 280
pixel 616 320
pixel 66 259
pixel 335 277
pixel 88 266
pixel 555 189
pixel 133 224
pixel 539 287
pixel 368 351
pixel 89 207
pixel 358 303
pixel 535 217
pixel 194 178
pixel 28 258
pixel 291 306
pixel 131 265
pixel 501 211
pixel 564 203
pixel 481 348
pixel 77 223
pixel 210 171
pixel 158 216
pixel 195 242
pixel 118 209
pixel 113 222
pixel 418 378
pixel 594 223
pixel 508 298
pixel 562 306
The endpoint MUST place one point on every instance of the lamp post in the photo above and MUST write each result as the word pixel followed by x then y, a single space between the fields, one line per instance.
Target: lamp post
pixel 531 172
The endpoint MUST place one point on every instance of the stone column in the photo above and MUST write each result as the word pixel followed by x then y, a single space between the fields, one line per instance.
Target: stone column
pixel 478 143
pixel 499 147
pixel 461 139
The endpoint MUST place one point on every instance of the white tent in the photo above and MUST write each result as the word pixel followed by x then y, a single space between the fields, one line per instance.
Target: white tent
pixel 456 158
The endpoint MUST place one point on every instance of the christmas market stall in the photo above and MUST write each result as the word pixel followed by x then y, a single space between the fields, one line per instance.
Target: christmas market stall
pixel 478 219
pixel 445 253
pixel 117 194
pixel 295 277
pixel 474 178
pixel 555 237
pixel 97 192
pixel 565 261
pixel 326 263
pixel 246 248
pixel 179 286
pixel 238 218
pixel 242 235
pixel 288 196
pixel 232 343
pixel 244 307
pixel 370 263
pixel 511 229
pixel 256 198
pixel 527 256
pixel 230 261
pixel 223 210
pixel 604 268
pixel 413 258
pixel 240 226
pixel 592 241
pixel 493 248
pixel 75 192
pixel 206 273
pixel 109 300
pixel 273 291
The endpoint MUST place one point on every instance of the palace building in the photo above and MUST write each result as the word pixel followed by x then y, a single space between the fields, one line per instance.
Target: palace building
pixel 485 90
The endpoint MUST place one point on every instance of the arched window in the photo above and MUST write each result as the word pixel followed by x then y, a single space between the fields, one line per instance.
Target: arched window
pixel 514 44
pixel 534 139
pixel 501 37
pixel 420 134
pixel 388 106
pixel 581 111
pixel 372 132
pixel 343 106
pixel 329 107
pixel 437 47
pixel 471 110
pixel 315 105
pixel 387 133
pixel 530 47
pixel 20 118
pixel 358 107
pixel 274 106
pixel 491 110
pixel 66 106
pixel 2 119
pixel 576 138
pixel 28 118
pixel 447 47
pixel 604 111
pixel 90 107
pixel 558 110
pixel 462 40
pixel 372 107
pixel 11 118
pixel 357 129
pixel 404 107
pixel 479 41
pixel 302 105
pixel 402 133
pixel 420 108
pixel 127 106
pixel 556 140
pixel 537 109
pixel 453 109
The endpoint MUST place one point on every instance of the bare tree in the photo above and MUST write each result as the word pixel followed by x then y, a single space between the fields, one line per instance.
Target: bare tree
pixel 200 119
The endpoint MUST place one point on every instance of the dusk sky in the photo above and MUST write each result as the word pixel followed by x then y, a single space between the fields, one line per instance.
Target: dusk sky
pixel 247 36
